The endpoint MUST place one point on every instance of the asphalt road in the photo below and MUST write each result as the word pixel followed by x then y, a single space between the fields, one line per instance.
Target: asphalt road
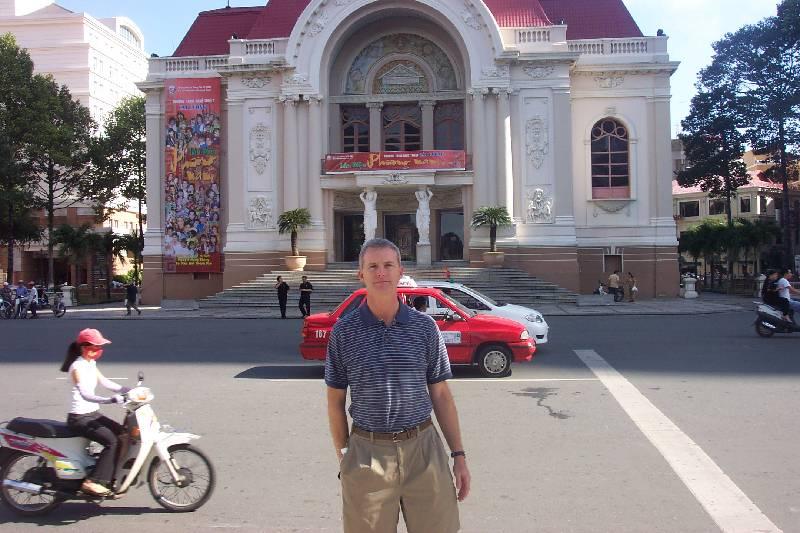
pixel 691 426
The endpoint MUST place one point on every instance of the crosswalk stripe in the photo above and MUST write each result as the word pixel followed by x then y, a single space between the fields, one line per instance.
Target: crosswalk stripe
pixel 722 499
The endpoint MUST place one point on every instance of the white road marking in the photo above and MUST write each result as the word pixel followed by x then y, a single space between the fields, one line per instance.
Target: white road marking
pixel 725 502
pixel 460 380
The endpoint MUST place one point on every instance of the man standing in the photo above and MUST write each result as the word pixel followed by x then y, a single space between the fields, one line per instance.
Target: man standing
pixel 394 361
pixel 283 294
pixel 613 286
pixel 31 301
pixel 305 297
pixel 131 294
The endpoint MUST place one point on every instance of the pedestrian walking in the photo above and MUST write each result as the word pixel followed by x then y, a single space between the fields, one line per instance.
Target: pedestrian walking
pixel 613 286
pixel 131 295
pixel 630 287
pixel 393 360
pixel 283 294
pixel 306 289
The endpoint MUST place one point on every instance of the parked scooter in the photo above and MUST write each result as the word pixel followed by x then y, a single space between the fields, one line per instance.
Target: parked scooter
pixel 6 308
pixel 770 321
pixel 43 462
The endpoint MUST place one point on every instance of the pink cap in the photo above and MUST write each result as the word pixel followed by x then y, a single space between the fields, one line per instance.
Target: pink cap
pixel 92 336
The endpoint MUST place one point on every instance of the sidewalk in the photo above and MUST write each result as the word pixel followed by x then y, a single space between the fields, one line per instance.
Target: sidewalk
pixel 587 305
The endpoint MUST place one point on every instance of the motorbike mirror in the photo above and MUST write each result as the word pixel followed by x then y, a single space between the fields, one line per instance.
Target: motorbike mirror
pixel 141 376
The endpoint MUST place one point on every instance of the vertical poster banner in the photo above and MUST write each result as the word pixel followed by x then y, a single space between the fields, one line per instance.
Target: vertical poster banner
pixel 192 182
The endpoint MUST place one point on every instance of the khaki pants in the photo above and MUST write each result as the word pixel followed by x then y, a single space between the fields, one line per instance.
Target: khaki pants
pixel 380 477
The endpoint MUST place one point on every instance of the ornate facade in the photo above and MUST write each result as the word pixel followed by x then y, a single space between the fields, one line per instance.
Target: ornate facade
pixel 399 119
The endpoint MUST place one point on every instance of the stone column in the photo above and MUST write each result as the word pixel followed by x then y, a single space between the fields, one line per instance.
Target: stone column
pixel 375 126
pixel 480 180
pixel 235 181
pixel 564 204
pixel 314 158
pixel 153 237
pixel 505 172
pixel 291 188
pixel 427 124
pixel 302 159
pixel 490 147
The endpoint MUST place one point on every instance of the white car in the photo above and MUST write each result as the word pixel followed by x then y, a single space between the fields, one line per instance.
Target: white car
pixel 530 318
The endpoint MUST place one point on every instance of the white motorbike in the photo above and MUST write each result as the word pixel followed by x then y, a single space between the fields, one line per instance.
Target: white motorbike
pixel 44 462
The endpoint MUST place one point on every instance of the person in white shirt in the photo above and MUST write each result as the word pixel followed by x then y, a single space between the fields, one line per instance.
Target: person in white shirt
pixel 84 415
pixel 785 289
pixel 31 300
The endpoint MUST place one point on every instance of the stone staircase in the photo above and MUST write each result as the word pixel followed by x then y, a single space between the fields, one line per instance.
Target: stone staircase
pixel 335 284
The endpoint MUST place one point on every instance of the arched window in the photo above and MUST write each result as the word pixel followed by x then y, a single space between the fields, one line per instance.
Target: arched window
pixel 402 128
pixel 355 129
pixel 610 160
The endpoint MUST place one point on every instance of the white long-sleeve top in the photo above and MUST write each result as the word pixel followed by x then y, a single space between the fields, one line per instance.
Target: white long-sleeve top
pixel 85 376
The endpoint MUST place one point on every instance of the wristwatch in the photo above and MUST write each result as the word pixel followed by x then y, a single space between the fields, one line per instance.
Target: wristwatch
pixel 457 453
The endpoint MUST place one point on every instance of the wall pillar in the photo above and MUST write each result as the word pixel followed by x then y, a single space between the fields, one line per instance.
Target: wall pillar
pixel 303 110
pixel 375 126
pixel 480 179
pixel 505 171
pixel 152 255
pixel 315 203
pixel 291 185
pixel 427 124
pixel 235 184
pixel 490 146
pixel 562 154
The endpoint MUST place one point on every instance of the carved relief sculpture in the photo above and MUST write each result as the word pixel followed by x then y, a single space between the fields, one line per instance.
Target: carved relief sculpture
pixel 540 207
pixel 424 214
pixel 260 147
pixel 261 215
pixel 256 82
pixel 536 140
pixel 370 200
pixel 538 73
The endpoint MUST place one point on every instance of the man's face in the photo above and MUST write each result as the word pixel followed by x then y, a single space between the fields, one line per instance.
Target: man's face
pixel 380 270
pixel 788 275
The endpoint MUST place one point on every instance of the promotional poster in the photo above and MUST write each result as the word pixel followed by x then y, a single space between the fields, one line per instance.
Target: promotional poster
pixel 192 179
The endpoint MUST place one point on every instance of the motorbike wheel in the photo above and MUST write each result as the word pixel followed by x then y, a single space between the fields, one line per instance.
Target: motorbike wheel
pixel 59 309
pixel 763 331
pixel 26 468
pixel 199 482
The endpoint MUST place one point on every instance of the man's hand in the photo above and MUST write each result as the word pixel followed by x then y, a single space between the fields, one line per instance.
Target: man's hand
pixel 462 477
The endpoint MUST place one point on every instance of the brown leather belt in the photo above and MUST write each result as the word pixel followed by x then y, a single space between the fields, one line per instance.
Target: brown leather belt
pixel 393 436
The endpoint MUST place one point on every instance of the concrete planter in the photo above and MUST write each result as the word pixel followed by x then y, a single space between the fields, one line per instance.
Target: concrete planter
pixel 295 262
pixel 494 259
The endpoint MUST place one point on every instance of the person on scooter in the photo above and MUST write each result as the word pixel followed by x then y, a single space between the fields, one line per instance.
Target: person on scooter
pixel 785 290
pixel 769 293
pixel 31 301
pixel 84 415
pixel 19 298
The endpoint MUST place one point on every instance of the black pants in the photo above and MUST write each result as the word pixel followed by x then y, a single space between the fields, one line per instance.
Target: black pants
pixel 282 304
pixel 305 306
pixel 104 431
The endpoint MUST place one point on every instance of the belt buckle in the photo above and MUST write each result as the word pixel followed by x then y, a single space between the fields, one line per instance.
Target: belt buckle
pixel 395 436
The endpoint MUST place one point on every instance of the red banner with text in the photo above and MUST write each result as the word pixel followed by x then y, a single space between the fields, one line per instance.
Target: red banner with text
pixel 192 185
pixel 382 161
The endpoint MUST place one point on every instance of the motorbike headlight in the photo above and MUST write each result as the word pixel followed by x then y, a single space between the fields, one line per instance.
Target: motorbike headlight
pixel 524 335
pixel 534 317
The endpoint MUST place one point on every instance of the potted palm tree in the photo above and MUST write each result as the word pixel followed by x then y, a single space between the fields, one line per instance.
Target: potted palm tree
pixel 493 217
pixel 293 222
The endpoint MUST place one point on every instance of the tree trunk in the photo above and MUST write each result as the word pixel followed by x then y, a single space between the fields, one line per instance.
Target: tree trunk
pixel 492 238
pixel 109 264
pixel 295 251
pixel 11 242
pixel 50 223
pixel 787 231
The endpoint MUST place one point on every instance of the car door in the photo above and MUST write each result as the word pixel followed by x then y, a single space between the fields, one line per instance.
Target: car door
pixel 455 331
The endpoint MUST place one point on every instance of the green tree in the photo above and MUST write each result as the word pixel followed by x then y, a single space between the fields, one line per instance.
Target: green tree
pixel 76 245
pixel 493 217
pixel 690 243
pixel 59 152
pixel 132 243
pixel 119 162
pixel 112 247
pixel 293 222
pixel 761 63
pixel 18 223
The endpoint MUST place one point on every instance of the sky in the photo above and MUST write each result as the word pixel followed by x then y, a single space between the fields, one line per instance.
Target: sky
pixel 692 27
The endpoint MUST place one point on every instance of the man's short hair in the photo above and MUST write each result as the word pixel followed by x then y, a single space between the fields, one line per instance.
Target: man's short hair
pixel 420 302
pixel 375 244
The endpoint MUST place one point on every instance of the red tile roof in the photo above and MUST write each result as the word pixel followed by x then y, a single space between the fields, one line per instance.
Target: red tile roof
pixel 518 13
pixel 592 19
pixel 211 30
pixel 755 181
pixel 585 19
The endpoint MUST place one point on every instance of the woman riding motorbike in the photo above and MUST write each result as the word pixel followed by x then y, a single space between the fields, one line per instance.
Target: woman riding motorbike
pixel 84 415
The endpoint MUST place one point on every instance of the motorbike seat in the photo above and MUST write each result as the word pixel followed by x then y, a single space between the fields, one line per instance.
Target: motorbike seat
pixel 49 429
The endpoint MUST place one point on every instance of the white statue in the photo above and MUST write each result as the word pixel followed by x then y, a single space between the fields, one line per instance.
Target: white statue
pixel 424 214
pixel 370 199
pixel 540 207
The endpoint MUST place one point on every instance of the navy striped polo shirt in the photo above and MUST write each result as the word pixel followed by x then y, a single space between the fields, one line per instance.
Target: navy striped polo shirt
pixel 388 367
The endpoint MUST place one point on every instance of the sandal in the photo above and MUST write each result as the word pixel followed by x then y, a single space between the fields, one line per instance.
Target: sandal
pixel 95 489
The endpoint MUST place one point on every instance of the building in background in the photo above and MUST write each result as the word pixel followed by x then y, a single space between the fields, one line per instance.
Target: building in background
pixel 400 119
pixel 100 61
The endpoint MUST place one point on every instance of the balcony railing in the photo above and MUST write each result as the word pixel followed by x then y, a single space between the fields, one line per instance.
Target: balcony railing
pixel 178 65
pixel 617 47
pixel 251 51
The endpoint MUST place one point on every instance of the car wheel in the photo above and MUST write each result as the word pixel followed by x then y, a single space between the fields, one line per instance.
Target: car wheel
pixel 494 361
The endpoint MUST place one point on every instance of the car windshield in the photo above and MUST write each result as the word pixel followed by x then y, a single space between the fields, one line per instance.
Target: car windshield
pixel 455 303
pixel 488 299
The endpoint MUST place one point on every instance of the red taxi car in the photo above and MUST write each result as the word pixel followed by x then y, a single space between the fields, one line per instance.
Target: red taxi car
pixel 489 342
